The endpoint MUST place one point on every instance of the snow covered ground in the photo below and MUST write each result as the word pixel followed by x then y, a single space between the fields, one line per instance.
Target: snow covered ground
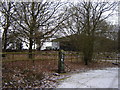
pixel 106 78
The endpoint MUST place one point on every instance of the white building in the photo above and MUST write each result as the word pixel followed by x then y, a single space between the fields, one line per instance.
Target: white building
pixel 50 46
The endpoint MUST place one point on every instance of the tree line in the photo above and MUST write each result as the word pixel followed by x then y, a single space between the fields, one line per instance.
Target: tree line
pixel 33 23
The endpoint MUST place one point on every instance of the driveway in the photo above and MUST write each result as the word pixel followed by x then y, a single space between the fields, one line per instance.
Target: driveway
pixel 105 78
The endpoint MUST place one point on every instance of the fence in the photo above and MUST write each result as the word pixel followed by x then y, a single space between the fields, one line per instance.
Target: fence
pixel 41 55
pixel 106 57
pixel 53 55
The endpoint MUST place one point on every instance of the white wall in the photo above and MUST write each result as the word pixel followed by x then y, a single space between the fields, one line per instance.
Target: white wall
pixel 46 44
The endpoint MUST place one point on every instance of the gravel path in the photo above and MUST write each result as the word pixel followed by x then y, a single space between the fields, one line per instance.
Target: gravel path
pixel 105 78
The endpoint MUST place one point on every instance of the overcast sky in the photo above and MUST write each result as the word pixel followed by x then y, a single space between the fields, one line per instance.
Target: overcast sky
pixel 113 19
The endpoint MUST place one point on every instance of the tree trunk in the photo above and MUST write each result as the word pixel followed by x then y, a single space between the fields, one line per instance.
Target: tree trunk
pixel 5 34
pixel 30 54
pixel 30 48
pixel 86 59
pixel 5 40
pixel 88 49
pixel 88 54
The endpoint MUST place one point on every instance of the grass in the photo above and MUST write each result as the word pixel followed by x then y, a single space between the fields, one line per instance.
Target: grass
pixel 25 60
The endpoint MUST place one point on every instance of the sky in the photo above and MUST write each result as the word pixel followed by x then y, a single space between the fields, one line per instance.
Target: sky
pixel 113 19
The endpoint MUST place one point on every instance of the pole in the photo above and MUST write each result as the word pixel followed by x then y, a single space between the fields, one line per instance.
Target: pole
pixel 61 68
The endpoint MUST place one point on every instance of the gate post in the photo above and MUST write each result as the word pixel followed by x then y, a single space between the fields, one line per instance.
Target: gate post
pixel 61 68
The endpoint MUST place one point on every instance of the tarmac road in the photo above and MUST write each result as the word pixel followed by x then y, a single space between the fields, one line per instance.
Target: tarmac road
pixel 106 78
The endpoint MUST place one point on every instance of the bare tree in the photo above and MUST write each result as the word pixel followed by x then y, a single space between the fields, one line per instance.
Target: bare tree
pixel 86 19
pixel 37 21
pixel 6 21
